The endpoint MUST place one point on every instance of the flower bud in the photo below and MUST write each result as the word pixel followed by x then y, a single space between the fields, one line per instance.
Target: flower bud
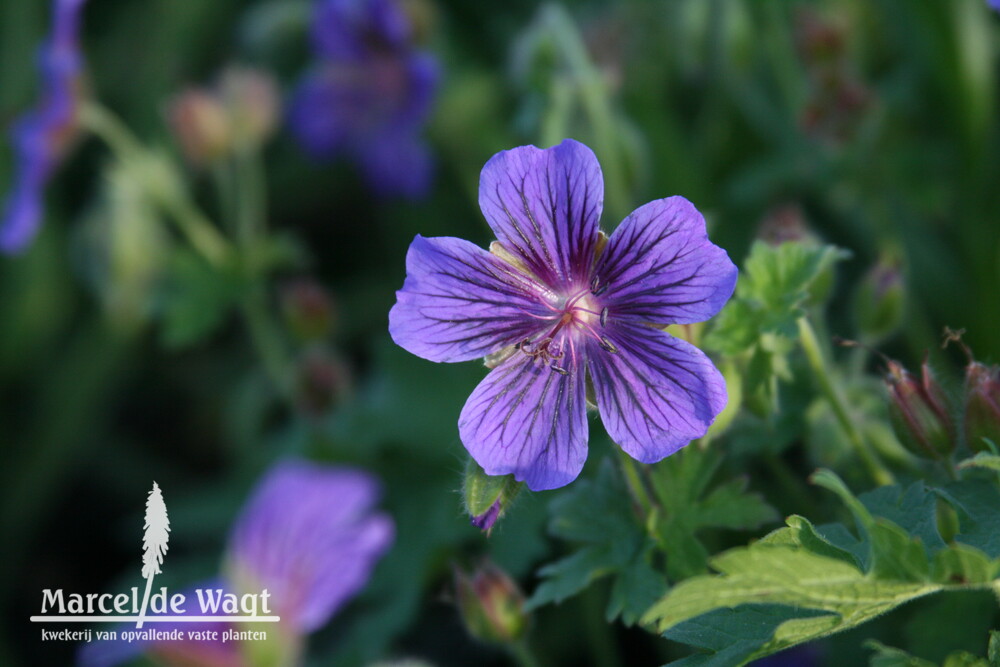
pixel 491 604
pixel 878 302
pixel 201 125
pixel 487 497
pixel 323 381
pixel 308 310
pixel 982 405
pixel 919 412
pixel 250 98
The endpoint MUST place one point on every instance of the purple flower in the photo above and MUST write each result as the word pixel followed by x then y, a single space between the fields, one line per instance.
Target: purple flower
pixel 368 95
pixel 41 136
pixel 310 537
pixel 560 301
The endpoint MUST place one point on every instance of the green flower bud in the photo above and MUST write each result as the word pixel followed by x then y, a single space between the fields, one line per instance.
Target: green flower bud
pixel 982 405
pixel 879 300
pixel 491 604
pixel 487 497
pixel 919 412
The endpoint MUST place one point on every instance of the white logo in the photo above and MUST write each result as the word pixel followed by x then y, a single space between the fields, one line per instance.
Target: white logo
pixel 58 607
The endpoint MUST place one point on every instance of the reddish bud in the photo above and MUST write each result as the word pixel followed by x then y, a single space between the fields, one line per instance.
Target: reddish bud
pixel 491 604
pixel 982 405
pixel 919 412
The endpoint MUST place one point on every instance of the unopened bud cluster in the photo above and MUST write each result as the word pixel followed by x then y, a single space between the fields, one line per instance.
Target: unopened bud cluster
pixel 240 112
pixel 922 414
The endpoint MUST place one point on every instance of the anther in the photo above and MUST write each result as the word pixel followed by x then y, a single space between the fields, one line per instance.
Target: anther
pixel 608 346
pixel 604 317
pixel 561 371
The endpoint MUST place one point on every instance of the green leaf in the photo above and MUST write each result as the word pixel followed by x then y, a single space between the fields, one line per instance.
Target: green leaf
pixel 887 656
pixel 732 636
pixel 960 564
pixel 599 515
pixel 783 574
pixel 977 502
pixel 771 293
pixel 686 507
pixel 567 577
pixel 994 649
pixel 635 590
pixel 198 300
pixel 981 460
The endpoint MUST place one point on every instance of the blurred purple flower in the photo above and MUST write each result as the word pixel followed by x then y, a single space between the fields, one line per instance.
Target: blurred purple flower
pixel 368 95
pixel 41 136
pixel 559 300
pixel 310 536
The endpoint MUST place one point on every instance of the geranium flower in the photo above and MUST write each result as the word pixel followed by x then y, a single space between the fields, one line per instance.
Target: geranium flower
pixel 310 537
pixel 562 306
pixel 368 95
pixel 41 136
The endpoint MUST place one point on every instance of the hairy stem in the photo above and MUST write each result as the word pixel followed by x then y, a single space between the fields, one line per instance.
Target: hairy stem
pixel 817 363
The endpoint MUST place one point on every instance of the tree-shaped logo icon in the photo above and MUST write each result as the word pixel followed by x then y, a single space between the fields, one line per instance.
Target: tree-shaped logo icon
pixel 154 543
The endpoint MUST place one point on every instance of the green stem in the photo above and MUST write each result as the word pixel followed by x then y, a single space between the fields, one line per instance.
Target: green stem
pixel 250 228
pixel 523 655
pixel 814 354
pixel 594 97
pixel 198 229
pixel 636 486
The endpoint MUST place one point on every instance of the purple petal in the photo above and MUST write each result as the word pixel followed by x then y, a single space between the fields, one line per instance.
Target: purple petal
pixel 529 421
pixel 544 207
pixel 41 136
pixel 655 393
pixel 351 29
pixel 397 164
pixel 22 215
pixel 310 537
pixel 460 302
pixel 659 266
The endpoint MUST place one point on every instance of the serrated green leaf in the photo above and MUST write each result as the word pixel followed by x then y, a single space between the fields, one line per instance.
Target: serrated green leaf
pixel 732 636
pixel 730 506
pixel 679 483
pixel 567 577
pixel 981 460
pixel 801 532
pixel 634 591
pixel 599 515
pixel 913 509
pixel 894 553
pixel 198 300
pixel 772 290
pixel 781 574
pixel 977 502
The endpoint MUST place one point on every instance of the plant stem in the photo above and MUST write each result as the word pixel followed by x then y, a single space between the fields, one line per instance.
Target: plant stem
pixel 637 488
pixel 158 183
pixel 250 229
pixel 814 354
pixel 523 655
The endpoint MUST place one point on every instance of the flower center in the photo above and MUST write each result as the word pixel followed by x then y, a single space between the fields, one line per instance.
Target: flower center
pixel 578 316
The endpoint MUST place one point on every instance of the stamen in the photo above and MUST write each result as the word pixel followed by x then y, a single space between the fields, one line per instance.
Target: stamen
pixel 561 371
pixel 608 345
pixel 604 317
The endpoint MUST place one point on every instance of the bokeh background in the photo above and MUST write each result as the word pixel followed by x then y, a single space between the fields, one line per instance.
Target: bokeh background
pixel 872 125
